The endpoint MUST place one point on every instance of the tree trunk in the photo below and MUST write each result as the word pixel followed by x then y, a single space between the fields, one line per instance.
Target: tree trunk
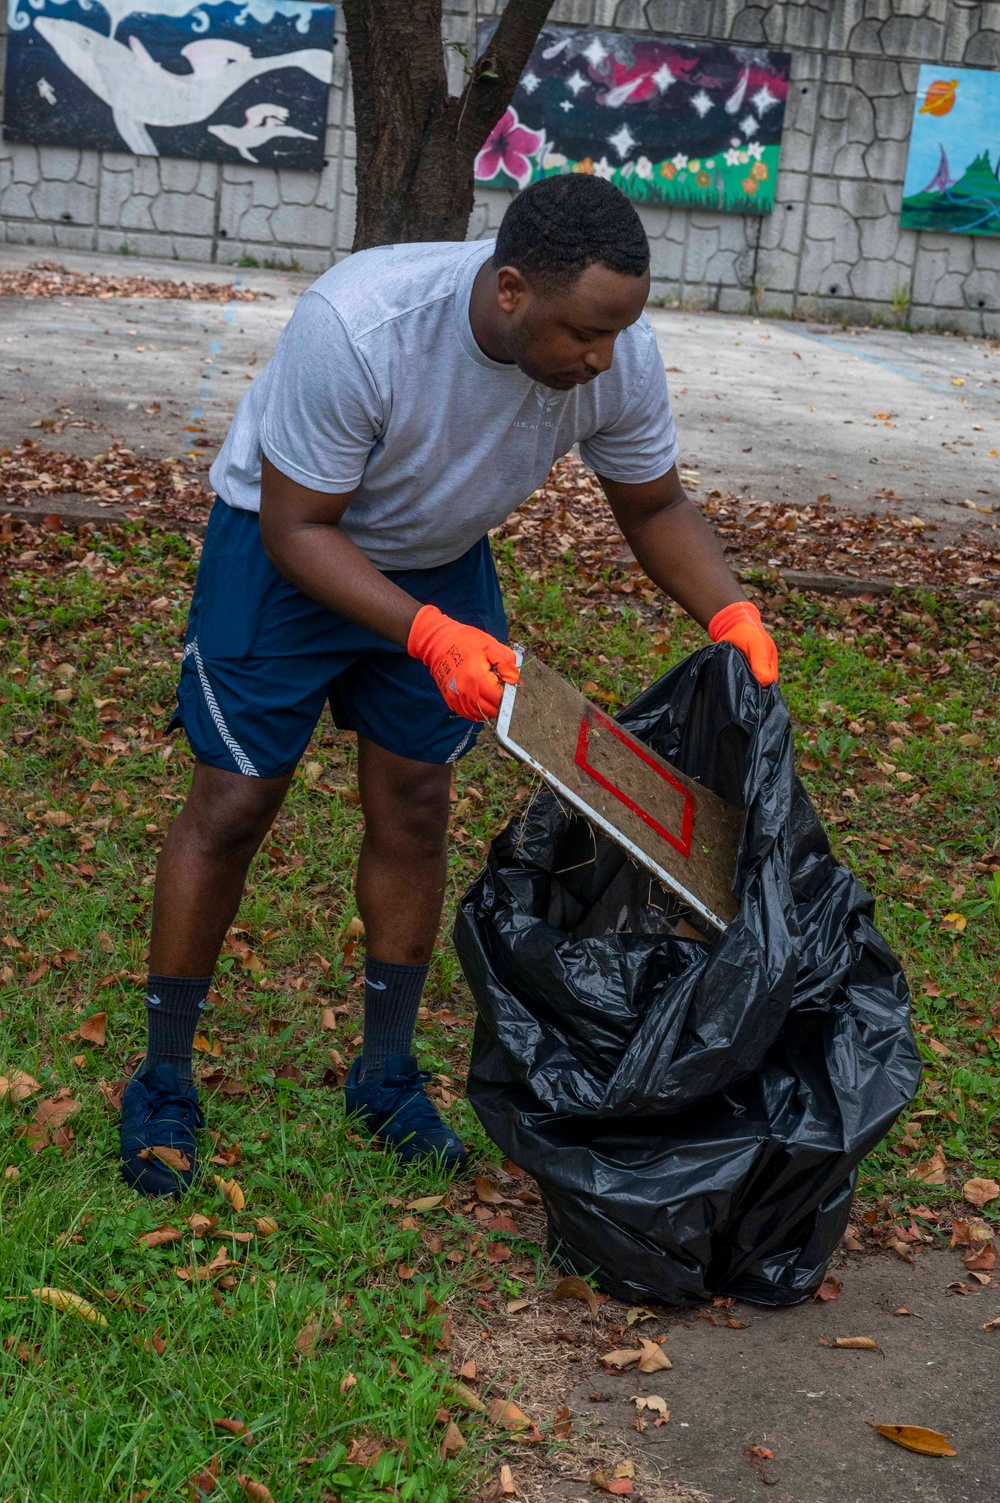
pixel 417 143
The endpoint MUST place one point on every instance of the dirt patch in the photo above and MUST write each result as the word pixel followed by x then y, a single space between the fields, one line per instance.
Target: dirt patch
pixel 742 1378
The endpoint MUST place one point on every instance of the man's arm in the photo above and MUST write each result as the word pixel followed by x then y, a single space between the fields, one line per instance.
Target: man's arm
pixel 674 544
pixel 682 555
pixel 303 539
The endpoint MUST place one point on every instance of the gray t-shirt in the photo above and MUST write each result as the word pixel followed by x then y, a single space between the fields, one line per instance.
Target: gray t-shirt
pixel 377 386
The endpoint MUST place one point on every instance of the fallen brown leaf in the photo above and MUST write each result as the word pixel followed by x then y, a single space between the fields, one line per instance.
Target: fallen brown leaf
pixel 487 1192
pixel 18 1085
pixel 452 1442
pixel 463 1395
pixel 228 1158
pixel 574 1287
pixel 204 1482
pixel 917 1438
pixel 94 1029
pixel 426 1203
pixel 620 1359
pixel 202 1225
pixel 160 1237
pixel 232 1191
pixel 172 1157
pixel 932 1171
pixel 992 1325
pixel 255 1491
pixel 620 1487
pixel 830 1288
pixel 55 1110
pixel 31 1356
pixel 854 1343
pixel 73 1304
pixel 653 1358
pixel 507 1484
pixel 562 1425
pixel 979 1192
pixel 154 1343
pixel 508 1415
pixel 266 1226
pixel 758 1457
pixel 198 1272
pixel 232 1427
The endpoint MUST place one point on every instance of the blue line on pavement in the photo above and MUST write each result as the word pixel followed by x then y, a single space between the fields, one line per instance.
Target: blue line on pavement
pixel 889 365
pixel 197 413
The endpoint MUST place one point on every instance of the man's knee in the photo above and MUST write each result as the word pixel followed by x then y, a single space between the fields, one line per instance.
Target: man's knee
pixel 229 814
pixel 411 813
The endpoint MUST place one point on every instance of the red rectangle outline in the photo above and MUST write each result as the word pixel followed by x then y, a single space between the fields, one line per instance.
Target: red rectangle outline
pixel 681 843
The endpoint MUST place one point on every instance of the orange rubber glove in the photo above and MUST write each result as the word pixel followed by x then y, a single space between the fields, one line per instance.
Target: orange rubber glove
pixel 740 624
pixel 468 664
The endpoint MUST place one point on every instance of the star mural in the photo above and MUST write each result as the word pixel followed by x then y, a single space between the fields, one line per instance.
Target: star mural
pixel 667 122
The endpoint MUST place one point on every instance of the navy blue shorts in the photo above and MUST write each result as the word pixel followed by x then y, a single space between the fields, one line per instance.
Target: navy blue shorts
pixel 261 659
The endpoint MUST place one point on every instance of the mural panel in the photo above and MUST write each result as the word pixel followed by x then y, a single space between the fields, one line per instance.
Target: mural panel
pixel 178 78
pixel 951 180
pixel 685 123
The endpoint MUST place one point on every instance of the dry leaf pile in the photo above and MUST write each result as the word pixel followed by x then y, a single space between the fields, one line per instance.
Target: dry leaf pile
pixel 164 490
pixel 53 279
pixel 570 513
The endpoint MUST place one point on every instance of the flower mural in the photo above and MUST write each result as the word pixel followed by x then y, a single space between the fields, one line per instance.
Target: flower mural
pixel 666 122
pixel 510 148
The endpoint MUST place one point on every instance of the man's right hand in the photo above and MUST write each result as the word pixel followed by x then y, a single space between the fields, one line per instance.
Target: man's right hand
pixel 469 666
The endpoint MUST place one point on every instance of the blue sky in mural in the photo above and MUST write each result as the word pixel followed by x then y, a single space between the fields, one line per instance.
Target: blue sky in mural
pixel 951 183
pixel 970 125
pixel 230 80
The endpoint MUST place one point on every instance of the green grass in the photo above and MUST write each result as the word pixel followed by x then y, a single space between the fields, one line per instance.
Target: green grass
pixel 88 792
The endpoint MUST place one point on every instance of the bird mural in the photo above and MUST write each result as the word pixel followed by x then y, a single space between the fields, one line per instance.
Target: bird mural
pixel 155 76
pixel 264 122
pixel 940 97
pixel 142 93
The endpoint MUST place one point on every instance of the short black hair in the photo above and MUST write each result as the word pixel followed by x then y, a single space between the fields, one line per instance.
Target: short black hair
pixel 556 228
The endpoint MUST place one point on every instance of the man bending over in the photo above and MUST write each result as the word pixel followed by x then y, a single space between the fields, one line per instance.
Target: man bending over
pixel 416 397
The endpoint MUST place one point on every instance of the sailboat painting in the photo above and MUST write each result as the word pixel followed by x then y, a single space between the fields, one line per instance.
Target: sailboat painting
pixel 224 80
pixel 953 171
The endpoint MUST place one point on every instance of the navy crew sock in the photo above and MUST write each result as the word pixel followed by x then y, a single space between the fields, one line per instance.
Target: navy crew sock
pixel 392 996
pixel 173 1011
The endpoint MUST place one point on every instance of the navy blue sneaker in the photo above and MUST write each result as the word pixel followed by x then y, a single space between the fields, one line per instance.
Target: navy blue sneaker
pixel 397 1110
pixel 159 1113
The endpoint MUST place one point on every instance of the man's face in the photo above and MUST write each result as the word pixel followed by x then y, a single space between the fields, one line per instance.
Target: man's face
pixel 565 337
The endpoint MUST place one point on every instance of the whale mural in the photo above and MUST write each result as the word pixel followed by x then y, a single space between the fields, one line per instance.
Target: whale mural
pixel 228 80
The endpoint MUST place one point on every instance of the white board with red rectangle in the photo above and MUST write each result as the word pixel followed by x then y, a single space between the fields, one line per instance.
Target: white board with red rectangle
pixel 687 836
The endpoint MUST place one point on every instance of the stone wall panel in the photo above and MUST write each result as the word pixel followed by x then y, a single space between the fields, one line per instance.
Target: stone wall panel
pixel 982 50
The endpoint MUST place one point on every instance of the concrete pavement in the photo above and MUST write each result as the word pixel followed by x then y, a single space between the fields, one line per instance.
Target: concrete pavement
pixel 769 408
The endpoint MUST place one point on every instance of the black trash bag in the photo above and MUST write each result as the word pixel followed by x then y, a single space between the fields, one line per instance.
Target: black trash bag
pixel 694 1112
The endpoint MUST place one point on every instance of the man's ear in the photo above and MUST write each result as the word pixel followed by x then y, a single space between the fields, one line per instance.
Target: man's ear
pixel 511 288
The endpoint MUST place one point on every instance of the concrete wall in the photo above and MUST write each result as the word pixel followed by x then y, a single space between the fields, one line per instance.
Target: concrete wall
pixel 833 242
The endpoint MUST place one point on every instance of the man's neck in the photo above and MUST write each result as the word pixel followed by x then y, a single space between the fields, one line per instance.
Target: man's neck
pixel 484 317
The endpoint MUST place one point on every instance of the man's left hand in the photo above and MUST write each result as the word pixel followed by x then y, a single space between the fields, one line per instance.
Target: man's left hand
pixel 740 624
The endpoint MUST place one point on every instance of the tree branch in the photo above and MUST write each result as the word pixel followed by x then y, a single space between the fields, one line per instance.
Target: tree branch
pixel 495 75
